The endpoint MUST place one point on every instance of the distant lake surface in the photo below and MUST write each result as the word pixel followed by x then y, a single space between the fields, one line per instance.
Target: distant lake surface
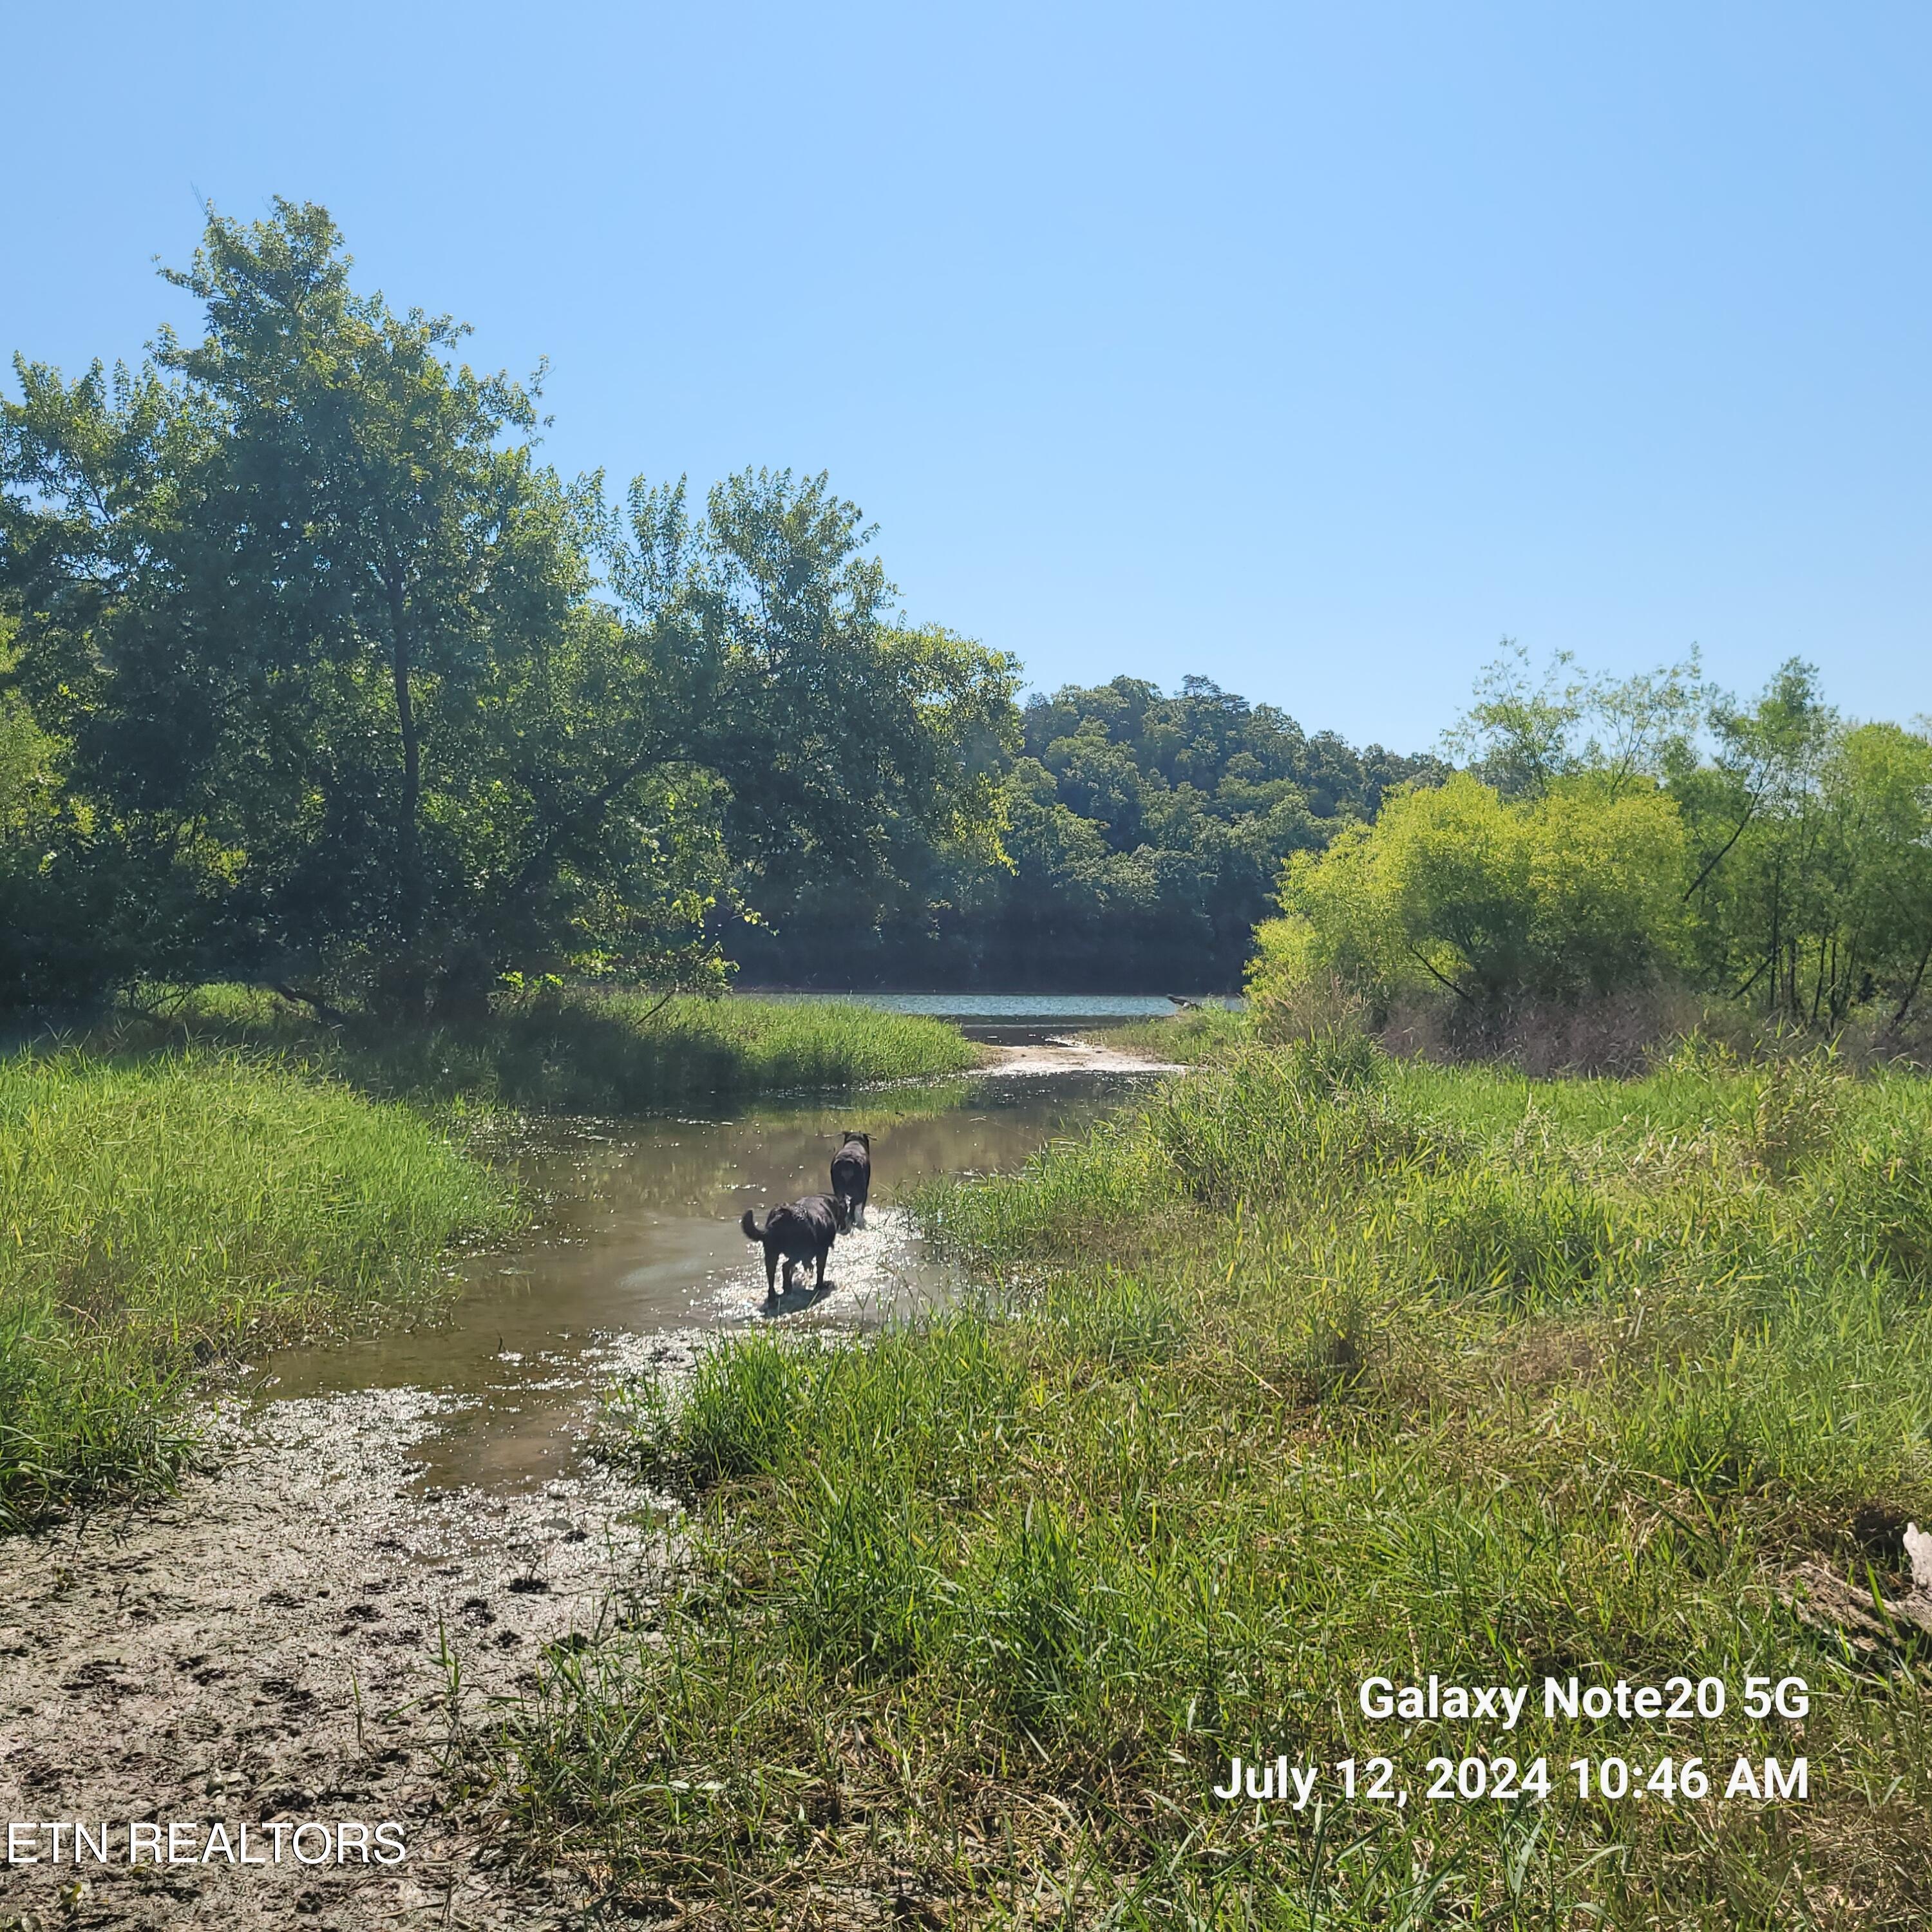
pixel 1014 1018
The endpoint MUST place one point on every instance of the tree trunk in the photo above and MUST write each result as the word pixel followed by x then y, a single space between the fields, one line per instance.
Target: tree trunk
pixel 409 983
pixel 1912 992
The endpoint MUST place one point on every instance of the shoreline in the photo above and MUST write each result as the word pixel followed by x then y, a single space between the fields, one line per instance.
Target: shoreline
pixel 1071 1056
pixel 277 1640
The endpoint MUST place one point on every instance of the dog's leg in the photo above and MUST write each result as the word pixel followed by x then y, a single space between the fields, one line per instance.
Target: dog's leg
pixel 820 1283
pixel 771 1273
pixel 789 1265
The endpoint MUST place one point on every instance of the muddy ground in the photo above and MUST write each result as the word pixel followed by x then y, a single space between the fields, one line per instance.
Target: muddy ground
pixel 1072 1054
pixel 267 1646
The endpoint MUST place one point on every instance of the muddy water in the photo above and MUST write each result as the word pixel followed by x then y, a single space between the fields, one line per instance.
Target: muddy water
pixel 638 1243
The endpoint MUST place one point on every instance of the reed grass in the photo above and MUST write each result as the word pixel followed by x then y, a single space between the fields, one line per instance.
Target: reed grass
pixel 218 1171
pixel 1316 1366
pixel 1189 1039
pixel 581 1051
pixel 157 1215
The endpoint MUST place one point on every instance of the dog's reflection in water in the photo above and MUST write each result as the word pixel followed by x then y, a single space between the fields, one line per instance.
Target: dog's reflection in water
pixel 795 1300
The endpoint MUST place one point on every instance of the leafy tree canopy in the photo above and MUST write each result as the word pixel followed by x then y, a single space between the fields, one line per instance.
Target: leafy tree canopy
pixel 352 694
pixel 1609 833
pixel 1142 834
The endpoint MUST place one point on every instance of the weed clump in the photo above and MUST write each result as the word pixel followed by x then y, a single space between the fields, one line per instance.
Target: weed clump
pixel 578 1050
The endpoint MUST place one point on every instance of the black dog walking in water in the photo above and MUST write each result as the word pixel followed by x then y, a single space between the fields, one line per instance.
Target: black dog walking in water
pixel 804 1231
pixel 852 1175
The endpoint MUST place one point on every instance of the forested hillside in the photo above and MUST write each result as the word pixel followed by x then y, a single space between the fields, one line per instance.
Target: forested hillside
pixel 1142 837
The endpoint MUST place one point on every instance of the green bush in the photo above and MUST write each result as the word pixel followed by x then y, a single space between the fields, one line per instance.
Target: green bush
pixel 1456 889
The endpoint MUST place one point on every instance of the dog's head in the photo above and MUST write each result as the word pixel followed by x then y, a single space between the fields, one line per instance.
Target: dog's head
pixel 841 1215
pixel 865 1140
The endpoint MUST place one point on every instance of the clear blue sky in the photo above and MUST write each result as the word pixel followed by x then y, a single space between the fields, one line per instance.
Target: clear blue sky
pixel 1312 348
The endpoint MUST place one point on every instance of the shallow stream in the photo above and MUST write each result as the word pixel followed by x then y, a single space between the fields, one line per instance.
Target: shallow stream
pixel 396 1530
pixel 638 1236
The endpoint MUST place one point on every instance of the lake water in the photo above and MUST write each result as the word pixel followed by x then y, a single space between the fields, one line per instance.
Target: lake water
pixel 639 1236
pixel 1019 1018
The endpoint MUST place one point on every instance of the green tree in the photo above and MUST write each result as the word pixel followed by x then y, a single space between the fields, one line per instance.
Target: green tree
pixel 1813 885
pixel 1771 853
pixel 1524 733
pixel 1491 900
pixel 848 742
pixel 331 668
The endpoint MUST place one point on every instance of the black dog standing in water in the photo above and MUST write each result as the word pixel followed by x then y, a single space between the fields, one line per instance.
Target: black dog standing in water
pixel 804 1231
pixel 852 1175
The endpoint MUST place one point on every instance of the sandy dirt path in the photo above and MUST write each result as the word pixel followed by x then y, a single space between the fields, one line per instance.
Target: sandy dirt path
pixel 264 1646
pixel 1072 1055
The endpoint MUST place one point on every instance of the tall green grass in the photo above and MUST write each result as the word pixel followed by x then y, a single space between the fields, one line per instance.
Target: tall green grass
pixel 1315 1366
pixel 582 1052
pixel 157 1214
pixel 1187 1039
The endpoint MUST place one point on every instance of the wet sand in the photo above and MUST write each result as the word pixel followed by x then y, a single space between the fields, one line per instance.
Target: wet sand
pixel 266 1646
pixel 1069 1054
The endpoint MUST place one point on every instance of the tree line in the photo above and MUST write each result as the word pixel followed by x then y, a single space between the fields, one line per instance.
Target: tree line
pixel 314 676
pixel 1140 840
pixel 1606 835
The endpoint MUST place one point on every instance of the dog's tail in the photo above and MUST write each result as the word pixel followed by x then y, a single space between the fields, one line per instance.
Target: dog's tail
pixel 753 1232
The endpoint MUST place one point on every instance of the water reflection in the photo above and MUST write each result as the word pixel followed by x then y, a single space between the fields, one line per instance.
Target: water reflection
pixel 638 1236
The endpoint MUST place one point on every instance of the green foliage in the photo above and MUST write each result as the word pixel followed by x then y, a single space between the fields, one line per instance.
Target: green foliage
pixel 738 1418
pixel 1141 836
pixel 1185 1039
pixel 1813 884
pixel 339 699
pixel 1521 736
pixel 156 1214
pixel 848 745
pixel 1576 891
pixel 1804 887
pixel 576 1051
pixel 1465 1374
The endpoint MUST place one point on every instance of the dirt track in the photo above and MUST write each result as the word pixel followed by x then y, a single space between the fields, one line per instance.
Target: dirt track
pixel 1072 1056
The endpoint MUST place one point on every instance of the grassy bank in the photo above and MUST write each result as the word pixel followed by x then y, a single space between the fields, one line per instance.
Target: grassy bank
pixel 155 1214
pixel 203 1177
pixel 580 1052
pixel 1321 1367
pixel 1187 1039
